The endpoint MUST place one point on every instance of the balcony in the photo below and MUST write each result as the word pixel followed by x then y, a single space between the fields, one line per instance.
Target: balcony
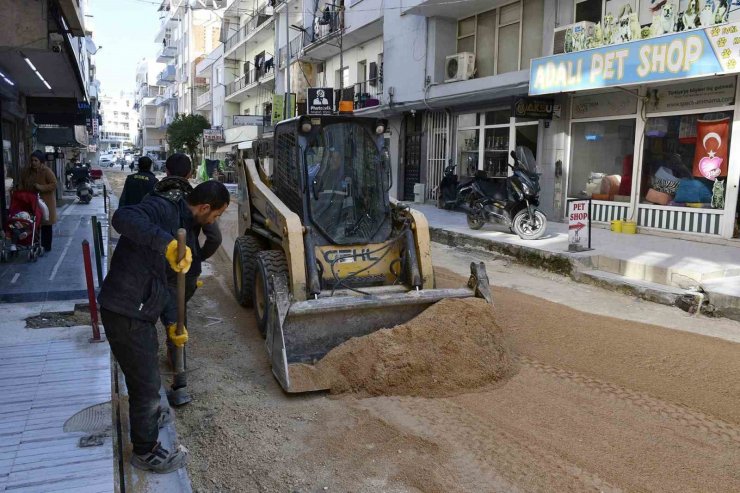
pixel 166 76
pixel 295 47
pixel 204 100
pixel 367 94
pixel 240 89
pixel 261 24
pixel 323 43
pixel 167 53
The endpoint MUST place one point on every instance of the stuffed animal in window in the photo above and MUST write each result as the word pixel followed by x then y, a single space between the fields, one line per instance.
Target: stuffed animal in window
pixel 718 195
pixel 625 31
pixel 706 16
pixel 664 20
pixel 690 17
pixel 569 41
pixel 598 37
pixel 610 30
pixel 721 12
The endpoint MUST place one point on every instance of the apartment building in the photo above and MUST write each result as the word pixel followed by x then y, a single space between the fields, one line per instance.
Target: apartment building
pixel 189 30
pixel 120 121
pixel 150 136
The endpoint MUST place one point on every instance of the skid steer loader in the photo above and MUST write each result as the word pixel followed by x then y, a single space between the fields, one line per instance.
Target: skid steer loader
pixel 324 255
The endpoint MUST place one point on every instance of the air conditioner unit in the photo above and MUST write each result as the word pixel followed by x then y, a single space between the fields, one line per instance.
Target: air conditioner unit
pixel 573 37
pixel 460 66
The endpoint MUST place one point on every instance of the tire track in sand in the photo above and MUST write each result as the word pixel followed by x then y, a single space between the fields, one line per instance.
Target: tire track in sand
pixel 484 457
pixel 714 428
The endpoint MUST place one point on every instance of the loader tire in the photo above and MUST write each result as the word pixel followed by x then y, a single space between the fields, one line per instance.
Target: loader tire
pixel 246 249
pixel 269 263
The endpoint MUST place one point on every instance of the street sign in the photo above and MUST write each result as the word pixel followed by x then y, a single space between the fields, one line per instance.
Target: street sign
pixel 320 101
pixel 579 225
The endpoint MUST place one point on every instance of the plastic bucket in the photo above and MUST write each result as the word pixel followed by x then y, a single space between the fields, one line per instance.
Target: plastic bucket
pixel 617 225
pixel 629 227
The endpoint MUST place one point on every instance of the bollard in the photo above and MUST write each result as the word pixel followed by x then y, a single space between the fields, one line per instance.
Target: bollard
pixel 98 247
pixel 105 199
pixel 91 292
pixel 100 239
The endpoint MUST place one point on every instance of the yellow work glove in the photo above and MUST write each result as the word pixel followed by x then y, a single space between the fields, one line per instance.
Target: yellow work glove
pixel 171 256
pixel 199 283
pixel 177 340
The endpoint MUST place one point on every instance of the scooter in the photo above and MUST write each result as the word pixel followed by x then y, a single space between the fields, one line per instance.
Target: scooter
pixel 81 182
pixel 512 202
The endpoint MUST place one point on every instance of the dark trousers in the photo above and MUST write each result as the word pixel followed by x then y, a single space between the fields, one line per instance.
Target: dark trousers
pixel 135 345
pixel 46 234
pixel 169 316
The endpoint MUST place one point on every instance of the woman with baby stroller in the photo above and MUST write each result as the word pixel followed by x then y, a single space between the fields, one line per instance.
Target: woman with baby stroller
pixel 39 178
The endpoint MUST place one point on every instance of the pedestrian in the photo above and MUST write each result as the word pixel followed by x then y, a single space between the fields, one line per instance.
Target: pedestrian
pixel 139 184
pixel 122 161
pixel 131 166
pixel 68 170
pixel 178 168
pixel 132 298
pixel 38 177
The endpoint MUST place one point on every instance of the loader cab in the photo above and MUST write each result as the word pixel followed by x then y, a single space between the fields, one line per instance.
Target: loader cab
pixel 330 170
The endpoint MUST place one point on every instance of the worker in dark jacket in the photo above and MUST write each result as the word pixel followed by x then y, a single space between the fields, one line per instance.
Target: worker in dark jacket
pixel 179 169
pixel 132 298
pixel 139 184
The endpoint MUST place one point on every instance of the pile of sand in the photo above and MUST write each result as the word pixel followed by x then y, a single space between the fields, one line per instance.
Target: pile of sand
pixel 451 348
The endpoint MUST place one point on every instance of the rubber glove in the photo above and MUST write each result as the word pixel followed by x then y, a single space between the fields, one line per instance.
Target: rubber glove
pixel 171 256
pixel 199 283
pixel 177 340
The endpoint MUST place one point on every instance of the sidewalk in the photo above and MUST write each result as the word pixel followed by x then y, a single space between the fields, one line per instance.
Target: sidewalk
pixel 657 268
pixel 54 384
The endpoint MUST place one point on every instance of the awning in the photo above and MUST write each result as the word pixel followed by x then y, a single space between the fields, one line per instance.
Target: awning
pixel 247 144
pixel 225 148
pixel 688 54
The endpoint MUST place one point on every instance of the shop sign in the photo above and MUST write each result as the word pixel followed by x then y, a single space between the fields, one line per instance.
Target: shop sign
pixel 540 109
pixel 320 101
pixel 579 225
pixel 693 95
pixel 246 120
pixel 604 104
pixel 213 135
pixel 696 53
pixel 278 107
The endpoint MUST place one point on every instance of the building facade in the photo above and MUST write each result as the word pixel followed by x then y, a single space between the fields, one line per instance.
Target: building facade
pixel 120 121
pixel 150 136
pixel 48 91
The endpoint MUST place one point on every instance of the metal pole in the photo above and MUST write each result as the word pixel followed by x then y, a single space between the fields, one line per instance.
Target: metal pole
pixel 100 239
pixel 105 199
pixel 3 205
pixel 286 103
pixel 98 262
pixel 91 292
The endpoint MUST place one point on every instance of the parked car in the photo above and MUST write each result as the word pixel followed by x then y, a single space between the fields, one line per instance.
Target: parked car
pixel 105 160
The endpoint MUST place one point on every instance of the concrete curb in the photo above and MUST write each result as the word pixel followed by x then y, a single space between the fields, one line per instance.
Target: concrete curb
pixel 580 270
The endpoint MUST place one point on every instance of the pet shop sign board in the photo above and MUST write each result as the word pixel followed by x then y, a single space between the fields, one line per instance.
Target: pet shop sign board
pixel 579 225
pixel 697 53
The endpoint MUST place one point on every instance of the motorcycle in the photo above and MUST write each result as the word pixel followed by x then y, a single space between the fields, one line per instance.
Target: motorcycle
pixel 81 182
pixel 512 201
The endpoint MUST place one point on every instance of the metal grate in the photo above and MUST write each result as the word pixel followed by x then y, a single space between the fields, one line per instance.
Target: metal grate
pixel 287 175
pixel 438 152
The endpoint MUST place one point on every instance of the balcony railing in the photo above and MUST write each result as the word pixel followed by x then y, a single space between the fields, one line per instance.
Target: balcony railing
pixel 204 98
pixel 254 75
pixel 368 93
pixel 329 22
pixel 166 53
pixel 167 75
pixel 295 47
pixel 260 17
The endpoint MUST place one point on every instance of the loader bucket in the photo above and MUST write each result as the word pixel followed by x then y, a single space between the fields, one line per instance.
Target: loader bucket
pixel 301 333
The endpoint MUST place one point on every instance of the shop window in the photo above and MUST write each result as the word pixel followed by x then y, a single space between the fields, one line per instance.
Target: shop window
pixel 685 160
pixel 534 16
pixel 602 160
pixel 466 35
pixel 467 152
pixel 588 10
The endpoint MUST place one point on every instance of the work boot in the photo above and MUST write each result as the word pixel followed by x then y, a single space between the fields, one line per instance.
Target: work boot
pixel 160 460
pixel 165 417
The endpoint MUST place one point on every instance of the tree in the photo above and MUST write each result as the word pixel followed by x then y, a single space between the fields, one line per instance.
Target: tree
pixel 184 133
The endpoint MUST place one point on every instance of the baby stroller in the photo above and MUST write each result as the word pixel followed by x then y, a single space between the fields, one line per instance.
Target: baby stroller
pixel 22 231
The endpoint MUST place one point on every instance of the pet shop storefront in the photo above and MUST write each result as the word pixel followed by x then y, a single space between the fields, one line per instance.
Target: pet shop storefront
pixel 653 132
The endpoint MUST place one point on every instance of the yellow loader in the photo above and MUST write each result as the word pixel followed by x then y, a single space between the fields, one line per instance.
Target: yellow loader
pixel 324 255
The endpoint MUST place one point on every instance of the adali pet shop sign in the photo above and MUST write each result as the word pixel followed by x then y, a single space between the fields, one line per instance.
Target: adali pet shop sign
pixel 696 53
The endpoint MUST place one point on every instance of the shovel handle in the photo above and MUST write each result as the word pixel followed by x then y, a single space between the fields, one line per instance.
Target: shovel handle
pixel 180 282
